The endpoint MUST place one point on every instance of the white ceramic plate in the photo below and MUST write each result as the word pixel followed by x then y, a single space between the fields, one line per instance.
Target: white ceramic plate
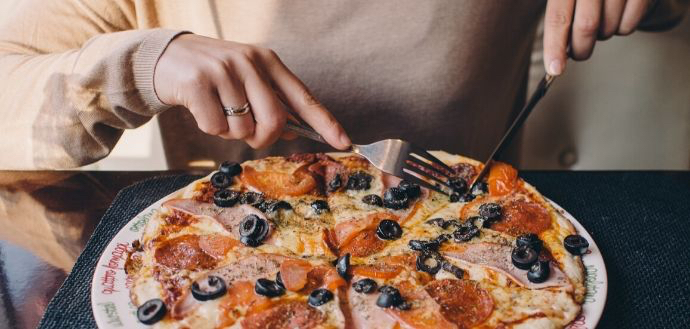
pixel 110 288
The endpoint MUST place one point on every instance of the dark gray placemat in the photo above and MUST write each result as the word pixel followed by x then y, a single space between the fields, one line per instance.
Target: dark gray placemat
pixel 640 220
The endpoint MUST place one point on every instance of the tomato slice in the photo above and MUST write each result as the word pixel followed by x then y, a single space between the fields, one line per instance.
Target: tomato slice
pixel 365 243
pixel 503 179
pixel 294 272
pixel 323 277
pixel 377 271
pixel 277 184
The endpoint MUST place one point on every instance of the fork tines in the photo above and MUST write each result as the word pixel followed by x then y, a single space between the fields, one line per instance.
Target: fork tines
pixel 426 170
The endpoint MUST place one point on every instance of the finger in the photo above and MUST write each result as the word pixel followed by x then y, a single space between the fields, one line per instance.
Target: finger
pixel 557 21
pixel 268 112
pixel 205 106
pixel 611 18
pixel 632 15
pixel 288 136
pixel 231 93
pixel 585 28
pixel 296 95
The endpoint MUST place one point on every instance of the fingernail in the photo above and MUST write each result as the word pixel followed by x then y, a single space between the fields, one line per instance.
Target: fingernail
pixel 556 67
pixel 345 140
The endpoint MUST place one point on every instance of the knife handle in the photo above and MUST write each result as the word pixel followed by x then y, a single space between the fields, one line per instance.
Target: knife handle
pixel 304 132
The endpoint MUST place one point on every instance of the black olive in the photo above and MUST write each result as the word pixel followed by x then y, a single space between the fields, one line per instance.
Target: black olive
pixel 458 185
pixel 365 286
pixel 342 266
pixel 576 244
pixel 373 200
pixel 320 206
pixel 276 205
pixel 389 297
pixel 268 288
pixel 452 269
pixel 225 198
pixel 359 180
pixel 465 232
pixel 412 190
pixel 451 222
pixel 279 280
pixel 395 198
pixel 319 297
pixel 539 272
pixel 253 230
pixel 490 210
pixel 211 287
pixel 335 183
pixel 251 198
pixel 429 262
pixel 479 188
pixel 421 245
pixel 530 240
pixel 230 168
pixel 443 238
pixel 404 306
pixel 220 180
pixel 523 257
pixel 389 229
pixel 436 221
pixel 457 197
pixel 478 221
pixel 151 312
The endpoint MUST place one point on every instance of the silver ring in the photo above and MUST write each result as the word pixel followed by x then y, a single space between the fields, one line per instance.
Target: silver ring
pixel 231 111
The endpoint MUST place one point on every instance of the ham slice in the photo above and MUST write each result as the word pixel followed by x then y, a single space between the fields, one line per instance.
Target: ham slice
pixel 230 218
pixel 365 313
pixel 497 257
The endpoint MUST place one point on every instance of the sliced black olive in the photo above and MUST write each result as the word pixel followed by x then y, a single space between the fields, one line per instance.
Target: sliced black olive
pixel 268 288
pixel 458 185
pixel 359 180
pixel 490 210
pixel 452 269
pixel 277 205
pixel 279 280
pixel 530 240
pixel 319 297
pixel 441 238
pixel 342 266
pixel 220 180
pixel 422 245
pixel 429 262
pixel 436 221
pixel 230 168
pixel 576 244
pixel 151 312
pixel 373 200
pixel 253 230
pixel 523 257
pixel 335 183
pixel 320 206
pixel 225 198
pixel 389 297
pixel 412 190
pixel 210 287
pixel 451 222
pixel 251 198
pixel 539 272
pixel 389 229
pixel 457 197
pixel 479 188
pixel 395 198
pixel 465 232
pixel 478 221
pixel 404 306
pixel 365 286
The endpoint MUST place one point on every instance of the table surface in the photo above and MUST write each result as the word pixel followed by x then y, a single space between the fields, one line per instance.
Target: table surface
pixel 47 218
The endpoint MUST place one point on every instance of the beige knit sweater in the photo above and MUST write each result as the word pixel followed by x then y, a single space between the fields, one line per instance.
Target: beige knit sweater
pixel 442 73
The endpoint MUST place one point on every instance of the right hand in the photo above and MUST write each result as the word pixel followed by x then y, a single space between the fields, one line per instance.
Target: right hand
pixel 205 74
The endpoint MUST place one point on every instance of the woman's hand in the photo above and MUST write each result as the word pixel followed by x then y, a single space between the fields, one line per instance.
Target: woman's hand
pixel 579 23
pixel 204 75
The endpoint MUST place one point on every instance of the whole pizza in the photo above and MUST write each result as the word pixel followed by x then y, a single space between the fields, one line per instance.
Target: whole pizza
pixel 329 241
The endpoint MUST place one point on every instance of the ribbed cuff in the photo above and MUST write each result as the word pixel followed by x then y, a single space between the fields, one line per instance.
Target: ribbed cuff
pixel 144 65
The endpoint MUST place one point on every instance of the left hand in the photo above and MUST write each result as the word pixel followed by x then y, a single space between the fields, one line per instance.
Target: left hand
pixel 579 23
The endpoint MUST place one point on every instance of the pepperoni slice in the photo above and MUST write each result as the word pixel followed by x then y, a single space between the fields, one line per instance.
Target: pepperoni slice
pixel 363 244
pixel 322 277
pixel 217 245
pixel 424 313
pixel 294 272
pixel 521 217
pixel 377 271
pixel 461 302
pixel 183 252
pixel 277 184
pixel 345 231
pixel 503 179
pixel 293 314
pixel 241 294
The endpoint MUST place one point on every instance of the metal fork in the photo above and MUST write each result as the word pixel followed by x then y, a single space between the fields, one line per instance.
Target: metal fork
pixel 396 157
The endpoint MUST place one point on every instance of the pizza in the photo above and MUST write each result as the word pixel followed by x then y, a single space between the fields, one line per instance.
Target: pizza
pixel 329 241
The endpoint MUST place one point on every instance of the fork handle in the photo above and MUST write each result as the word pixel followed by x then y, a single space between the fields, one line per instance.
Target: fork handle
pixel 304 132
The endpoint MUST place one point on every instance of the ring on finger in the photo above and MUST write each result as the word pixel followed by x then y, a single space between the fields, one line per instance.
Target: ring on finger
pixel 232 111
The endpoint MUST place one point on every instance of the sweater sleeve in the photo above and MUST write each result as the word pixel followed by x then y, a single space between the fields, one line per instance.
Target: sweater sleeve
pixel 664 15
pixel 75 74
